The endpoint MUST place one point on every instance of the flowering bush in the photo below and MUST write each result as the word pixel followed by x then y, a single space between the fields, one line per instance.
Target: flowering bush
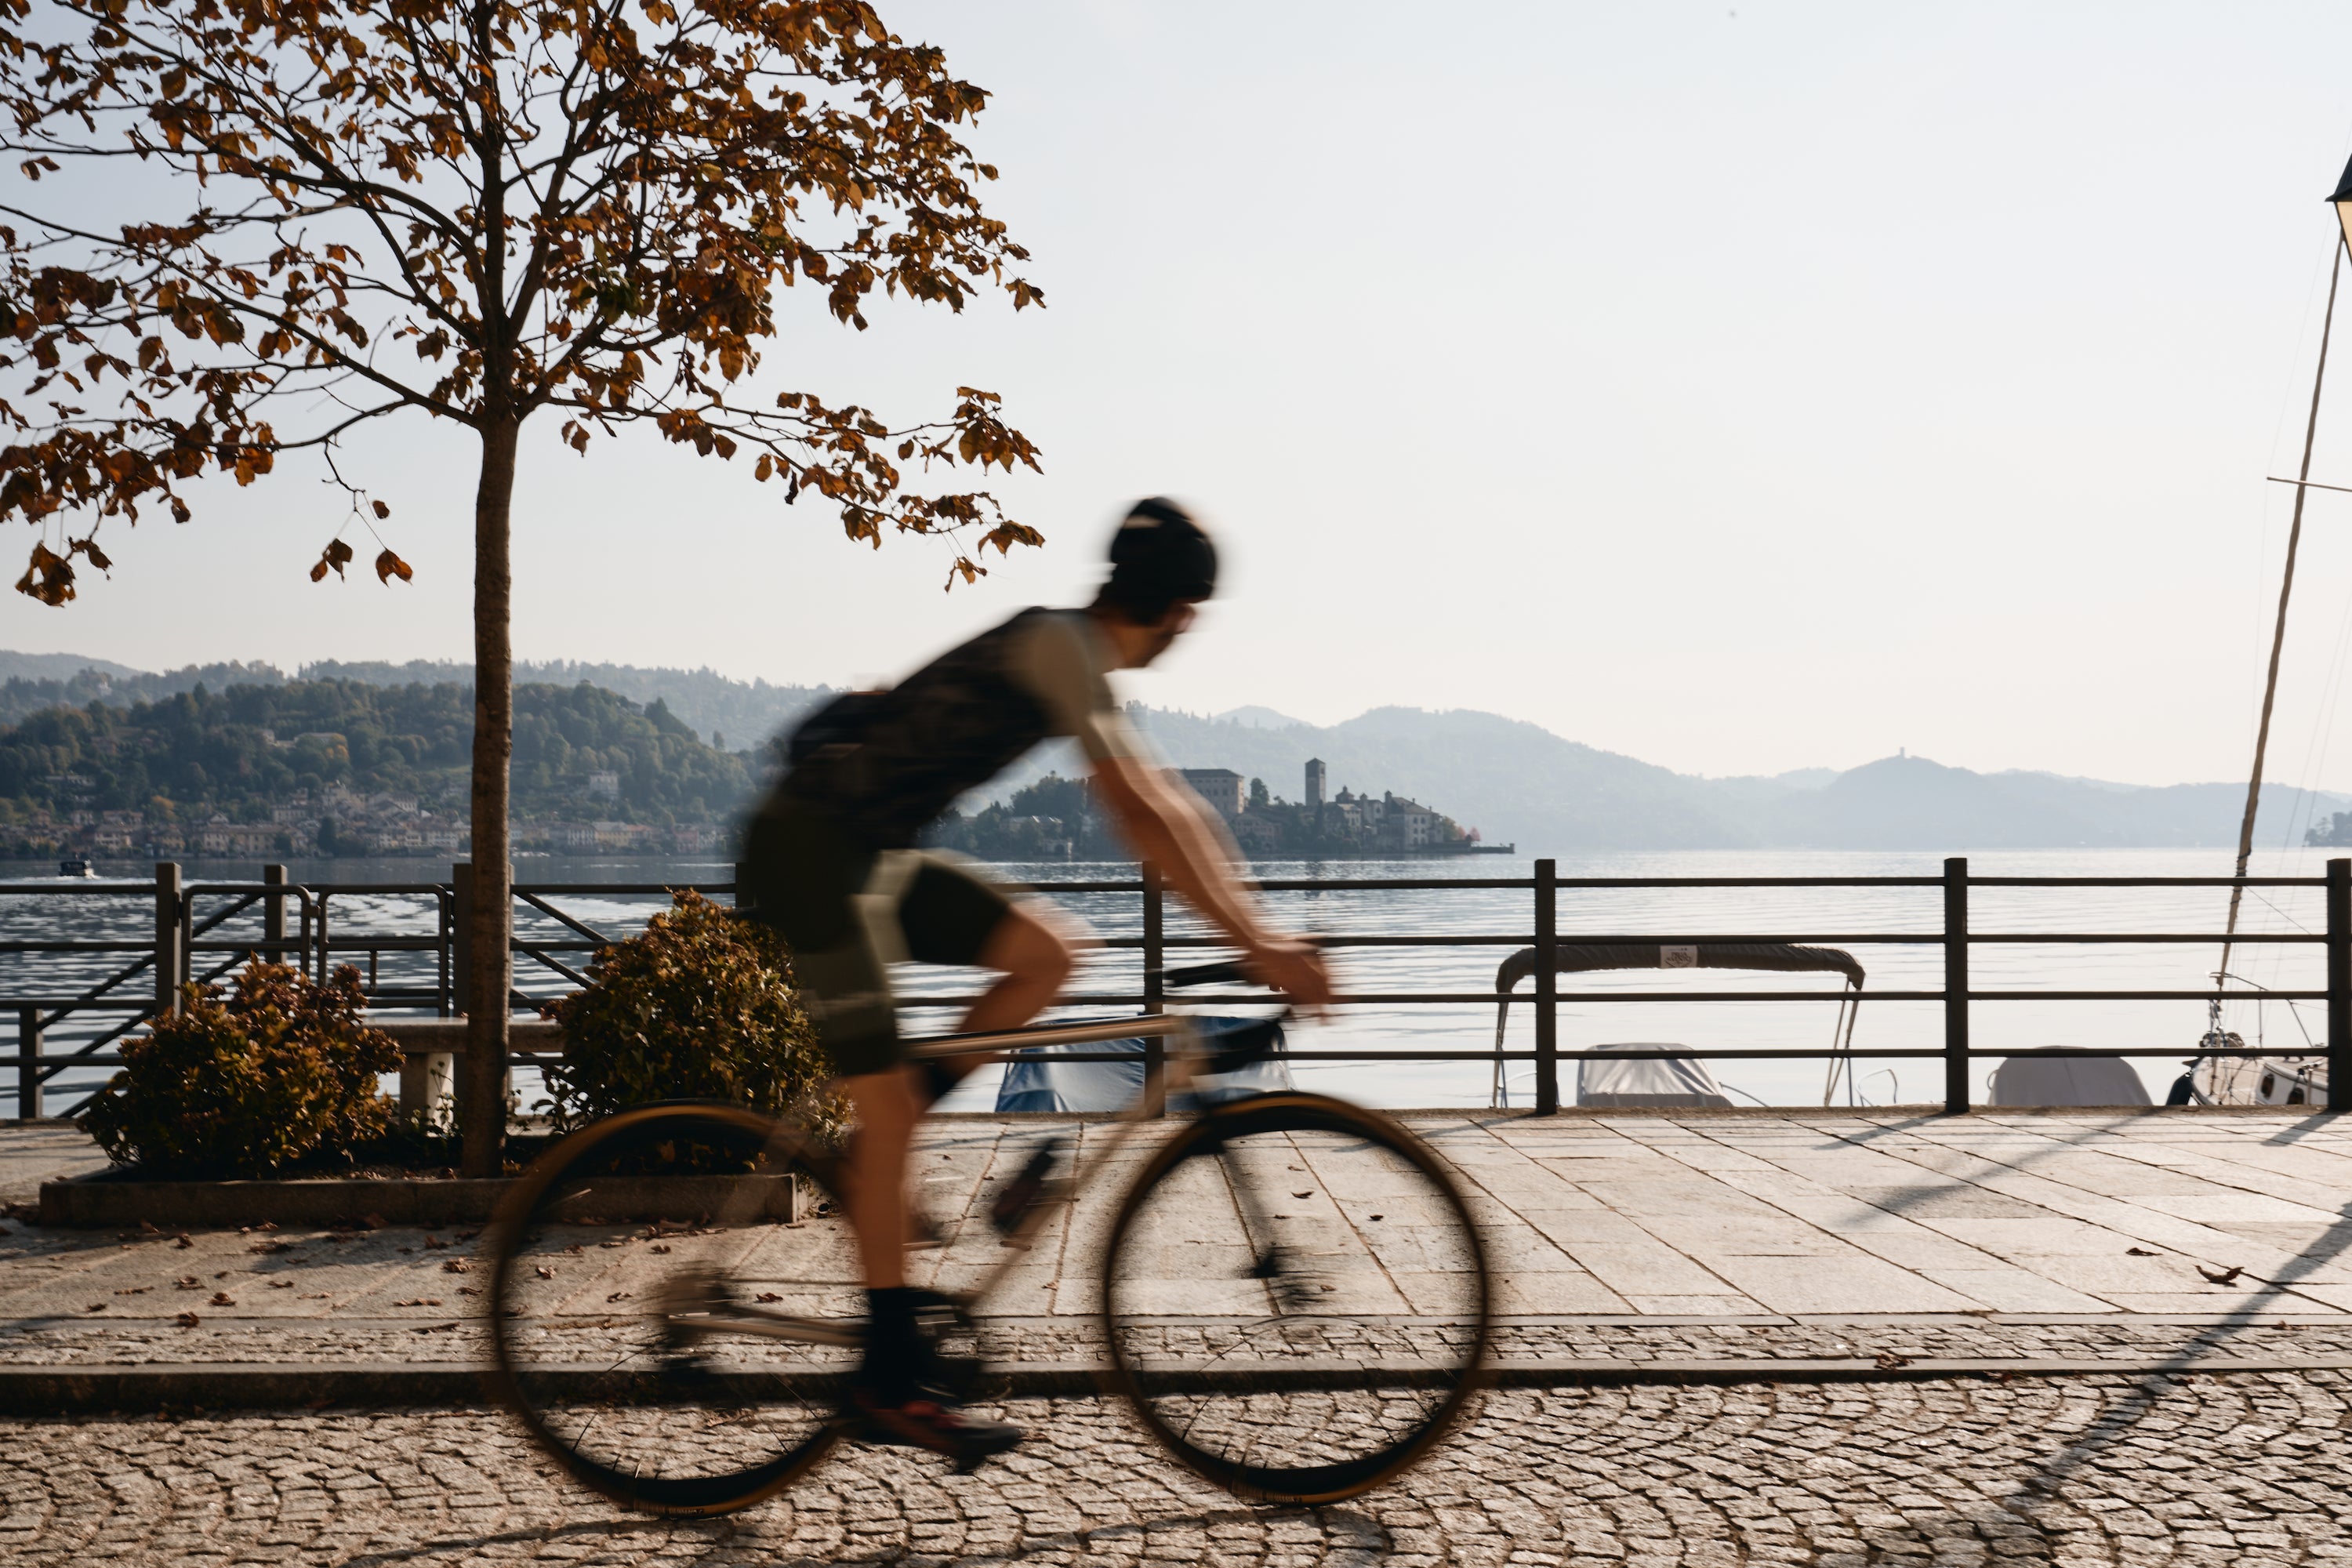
pixel 280 1070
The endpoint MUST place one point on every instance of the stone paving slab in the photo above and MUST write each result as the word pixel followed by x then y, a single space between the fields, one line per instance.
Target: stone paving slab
pixel 1784 1223
pixel 2239 1471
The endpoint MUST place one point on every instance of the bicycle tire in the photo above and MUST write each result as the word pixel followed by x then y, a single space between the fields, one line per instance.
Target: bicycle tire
pixel 644 1385
pixel 1268 1428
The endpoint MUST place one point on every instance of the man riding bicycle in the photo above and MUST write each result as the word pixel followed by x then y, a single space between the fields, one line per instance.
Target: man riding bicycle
pixel 830 861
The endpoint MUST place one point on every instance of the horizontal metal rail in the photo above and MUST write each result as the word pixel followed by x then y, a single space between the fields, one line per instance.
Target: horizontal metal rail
pixel 552 939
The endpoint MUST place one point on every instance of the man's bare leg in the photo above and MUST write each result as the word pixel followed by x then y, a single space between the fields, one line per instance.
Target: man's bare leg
pixel 1033 950
pixel 888 1107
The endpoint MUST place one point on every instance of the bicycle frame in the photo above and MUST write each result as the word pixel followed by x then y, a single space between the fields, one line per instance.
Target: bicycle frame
pixel 1174 1071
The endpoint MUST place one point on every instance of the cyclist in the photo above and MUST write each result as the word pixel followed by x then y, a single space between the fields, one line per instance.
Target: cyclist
pixel 830 860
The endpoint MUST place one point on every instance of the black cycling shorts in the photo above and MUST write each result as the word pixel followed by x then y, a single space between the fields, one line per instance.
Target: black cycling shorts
pixel 849 912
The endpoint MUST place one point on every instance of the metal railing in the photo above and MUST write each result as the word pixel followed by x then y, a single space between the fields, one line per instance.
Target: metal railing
pixel 191 941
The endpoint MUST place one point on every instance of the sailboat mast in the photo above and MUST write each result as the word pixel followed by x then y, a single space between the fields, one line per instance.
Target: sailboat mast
pixel 2278 634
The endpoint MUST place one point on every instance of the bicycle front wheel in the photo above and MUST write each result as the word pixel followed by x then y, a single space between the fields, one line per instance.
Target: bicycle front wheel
pixel 673 1306
pixel 1295 1298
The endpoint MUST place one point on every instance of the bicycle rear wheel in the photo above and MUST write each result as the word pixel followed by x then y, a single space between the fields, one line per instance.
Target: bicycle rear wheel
pixel 1296 1298
pixel 625 1259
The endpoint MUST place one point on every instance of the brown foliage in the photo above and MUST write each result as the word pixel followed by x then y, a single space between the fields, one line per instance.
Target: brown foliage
pixel 477 208
pixel 698 1005
pixel 280 1070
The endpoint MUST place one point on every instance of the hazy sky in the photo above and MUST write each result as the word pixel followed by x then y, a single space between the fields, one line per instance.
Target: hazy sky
pixel 1739 386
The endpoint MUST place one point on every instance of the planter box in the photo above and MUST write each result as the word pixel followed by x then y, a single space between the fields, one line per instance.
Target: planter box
pixel 110 1199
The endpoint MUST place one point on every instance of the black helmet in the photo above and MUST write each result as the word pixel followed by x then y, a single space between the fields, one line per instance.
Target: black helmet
pixel 1158 557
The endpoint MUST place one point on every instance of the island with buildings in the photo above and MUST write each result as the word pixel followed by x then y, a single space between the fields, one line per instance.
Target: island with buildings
pixel 1056 818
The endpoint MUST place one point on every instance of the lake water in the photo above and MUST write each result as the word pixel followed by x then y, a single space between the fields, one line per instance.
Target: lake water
pixel 1336 908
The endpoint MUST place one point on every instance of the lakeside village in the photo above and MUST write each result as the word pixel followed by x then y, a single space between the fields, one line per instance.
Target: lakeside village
pixel 1054 819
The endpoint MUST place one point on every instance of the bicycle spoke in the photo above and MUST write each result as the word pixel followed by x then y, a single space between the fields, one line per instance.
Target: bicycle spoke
pixel 614 1320
pixel 1296 1297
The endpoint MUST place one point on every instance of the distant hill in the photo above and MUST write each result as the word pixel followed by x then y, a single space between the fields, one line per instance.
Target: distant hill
pixel 1514 781
pixel 245 751
pixel 735 714
pixel 1518 782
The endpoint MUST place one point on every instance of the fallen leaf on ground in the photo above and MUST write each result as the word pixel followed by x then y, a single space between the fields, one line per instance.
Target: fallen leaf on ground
pixel 180 1243
pixel 419 1301
pixel 1379 1217
pixel 281 1284
pixel 544 1272
pixel 187 1320
pixel 468 1290
pixel 2137 1252
pixel 769 1295
pixel 95 1307
pixel 1304 1194
pixel 269 1246
pixel 1888 1360
pixel 453 1266
pixel 618 1295
pixel 189 1282
pixel 223 1299
pixel 2222 1277
pixel 660 1246
pixel 134 1290
pixel 434 1241
pixel 439 1329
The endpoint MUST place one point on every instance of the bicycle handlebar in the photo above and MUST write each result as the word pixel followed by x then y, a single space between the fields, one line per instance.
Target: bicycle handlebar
pixel 1223 971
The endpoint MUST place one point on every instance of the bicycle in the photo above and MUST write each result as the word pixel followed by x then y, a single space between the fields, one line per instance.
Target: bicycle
pixel 1294 1296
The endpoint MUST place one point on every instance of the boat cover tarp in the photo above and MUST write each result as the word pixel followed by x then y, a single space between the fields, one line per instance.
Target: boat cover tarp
pixel 1575 957
pixel 1674 1081
pixel 2037 1080
pixel 1036 1081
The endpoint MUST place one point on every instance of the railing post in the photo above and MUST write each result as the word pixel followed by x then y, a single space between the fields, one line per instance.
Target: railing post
pixel 2339 985
pixel 475 1088
pixel 29 1064
pixel 273 914
pixel 443 937
pixel 1155 955
pixel 1956 985
pixel 170 957
pixel 1155 985
pixel 1547 988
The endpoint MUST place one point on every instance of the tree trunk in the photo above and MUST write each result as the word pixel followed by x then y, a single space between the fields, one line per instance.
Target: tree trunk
pixel 492 915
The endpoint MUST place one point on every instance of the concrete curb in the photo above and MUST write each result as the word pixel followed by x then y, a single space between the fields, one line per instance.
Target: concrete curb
pixel 35 1391
pixel 107 1200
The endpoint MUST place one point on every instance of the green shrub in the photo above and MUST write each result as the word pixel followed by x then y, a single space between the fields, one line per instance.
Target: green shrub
pixel 700 1006
pixel 278 1070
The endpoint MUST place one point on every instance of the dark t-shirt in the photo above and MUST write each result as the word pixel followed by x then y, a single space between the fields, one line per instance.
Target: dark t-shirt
pixel 888 764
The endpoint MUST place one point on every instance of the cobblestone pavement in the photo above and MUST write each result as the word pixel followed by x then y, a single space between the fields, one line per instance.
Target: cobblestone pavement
pixel 2246 1470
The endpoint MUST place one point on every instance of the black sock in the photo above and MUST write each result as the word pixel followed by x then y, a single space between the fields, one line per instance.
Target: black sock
pixel 894 1346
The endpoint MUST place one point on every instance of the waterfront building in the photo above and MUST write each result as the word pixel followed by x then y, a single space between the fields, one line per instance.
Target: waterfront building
pixel 1314 783
pixel 1221 787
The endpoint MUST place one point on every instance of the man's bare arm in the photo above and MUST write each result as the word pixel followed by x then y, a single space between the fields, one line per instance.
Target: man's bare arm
pixel 1167 826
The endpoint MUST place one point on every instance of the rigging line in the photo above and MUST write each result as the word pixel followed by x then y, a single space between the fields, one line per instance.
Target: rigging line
pixel 2307 484
pixel 2287 588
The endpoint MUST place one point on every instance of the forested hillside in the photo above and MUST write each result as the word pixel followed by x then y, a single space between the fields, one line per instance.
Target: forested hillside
pixel 243 751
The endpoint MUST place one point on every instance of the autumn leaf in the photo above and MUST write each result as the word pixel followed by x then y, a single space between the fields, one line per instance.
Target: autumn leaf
pixel 334 558
pixel 89 547
pixel 388 566
pixel 49 578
